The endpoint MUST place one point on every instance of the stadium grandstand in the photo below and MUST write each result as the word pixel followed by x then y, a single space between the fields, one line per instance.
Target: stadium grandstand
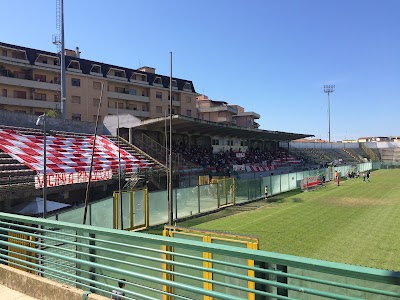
pixel 142 147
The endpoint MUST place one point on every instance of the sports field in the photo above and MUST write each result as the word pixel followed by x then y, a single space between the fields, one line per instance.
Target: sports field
pixel 357 222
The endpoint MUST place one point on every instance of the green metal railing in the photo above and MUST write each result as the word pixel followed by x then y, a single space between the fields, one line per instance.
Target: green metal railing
pixel 157 267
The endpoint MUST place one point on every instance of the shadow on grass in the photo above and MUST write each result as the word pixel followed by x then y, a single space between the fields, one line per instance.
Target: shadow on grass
pixel 297 200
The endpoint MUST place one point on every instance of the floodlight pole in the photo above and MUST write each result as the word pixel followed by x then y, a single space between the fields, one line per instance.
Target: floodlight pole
pixel 329 89
pixel 63 84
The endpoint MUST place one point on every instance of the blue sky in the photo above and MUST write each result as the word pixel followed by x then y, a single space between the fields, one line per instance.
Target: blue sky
pixel 271 57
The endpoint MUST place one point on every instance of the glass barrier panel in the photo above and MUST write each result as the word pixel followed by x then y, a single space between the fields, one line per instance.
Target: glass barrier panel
pixel 275 184
pixel 139 208
pixel 102 213
pixel 187 201
pixel 284 183
pixel 158 208
pixel 208 197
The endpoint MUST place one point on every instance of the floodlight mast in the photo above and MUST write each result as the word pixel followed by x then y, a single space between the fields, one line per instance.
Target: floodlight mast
pixel 58 39
pixel 329 89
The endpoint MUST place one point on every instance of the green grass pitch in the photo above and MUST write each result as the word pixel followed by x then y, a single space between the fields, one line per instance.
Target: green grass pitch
pixel 356 223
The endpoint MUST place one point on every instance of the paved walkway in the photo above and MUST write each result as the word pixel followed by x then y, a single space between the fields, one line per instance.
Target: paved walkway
pixel 9 294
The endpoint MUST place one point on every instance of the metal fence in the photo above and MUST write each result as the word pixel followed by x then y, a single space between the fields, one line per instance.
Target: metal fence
pixel 157 267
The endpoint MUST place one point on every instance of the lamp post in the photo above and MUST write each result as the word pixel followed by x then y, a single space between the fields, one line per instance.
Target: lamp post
pixel 329 89
pixel 41 121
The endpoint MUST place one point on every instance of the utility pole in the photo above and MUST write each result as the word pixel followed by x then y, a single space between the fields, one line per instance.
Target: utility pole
pixel 329 89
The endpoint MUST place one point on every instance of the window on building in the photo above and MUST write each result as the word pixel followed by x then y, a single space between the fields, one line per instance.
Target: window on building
pixel 39 77
pixel 139 77
pixel 4 92
pixel 173 97
pixel 97 85
pixel 76 99
pixel 188 99
pixel 20 94
pixel 75 82
pixel 119 74
pixel 144 93
pixel 119 89
pixel 119 105
pixel 159 95
pixel 95 69
pixel 56 98
pixel 19 74
pixel 158 109
pixel 18 55
pixel 215 142
pixel 174 84
pixel 157 80
pixel 96 102
pixel 144 107
pixel 189 112
pixel 74 65
pixel 173 110
pixel 132 91
pixel 4 52
pixel 187 86
pixel 76 117
pixel 132 106
pixel 39 96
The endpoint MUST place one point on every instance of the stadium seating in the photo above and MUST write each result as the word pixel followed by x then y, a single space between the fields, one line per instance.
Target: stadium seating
pixel 21 156
pixel 390 154
pixel 332 155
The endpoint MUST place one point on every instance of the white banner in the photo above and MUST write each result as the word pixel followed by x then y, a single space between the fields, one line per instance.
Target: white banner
pixel 239 167
pixel 240 154
pixel 58 179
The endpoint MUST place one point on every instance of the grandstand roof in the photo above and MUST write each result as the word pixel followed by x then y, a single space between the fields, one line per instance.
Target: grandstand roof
pixel 188 125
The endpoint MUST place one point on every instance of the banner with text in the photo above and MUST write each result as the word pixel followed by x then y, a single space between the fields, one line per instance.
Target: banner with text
pixel 58 179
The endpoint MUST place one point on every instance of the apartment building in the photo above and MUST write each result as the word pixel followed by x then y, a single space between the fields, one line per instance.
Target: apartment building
pixel 222 112
pixel 30 83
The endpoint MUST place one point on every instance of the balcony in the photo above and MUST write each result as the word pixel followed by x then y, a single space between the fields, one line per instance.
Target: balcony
pixel 49 66
pixel 29 103
pixel 248 114
pixel 229 109
pixel 29 83
pixel 136 113
pixel 14 60
pixel 117 77
pixel 176 103
pixel 129 97
pixel 225 120
pixel 140 82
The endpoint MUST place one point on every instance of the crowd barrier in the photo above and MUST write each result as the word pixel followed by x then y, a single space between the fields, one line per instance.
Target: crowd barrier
pixel 142 209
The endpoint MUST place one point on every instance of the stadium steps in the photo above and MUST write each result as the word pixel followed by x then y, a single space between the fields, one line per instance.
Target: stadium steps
pixel 137 152
pixel 159 152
